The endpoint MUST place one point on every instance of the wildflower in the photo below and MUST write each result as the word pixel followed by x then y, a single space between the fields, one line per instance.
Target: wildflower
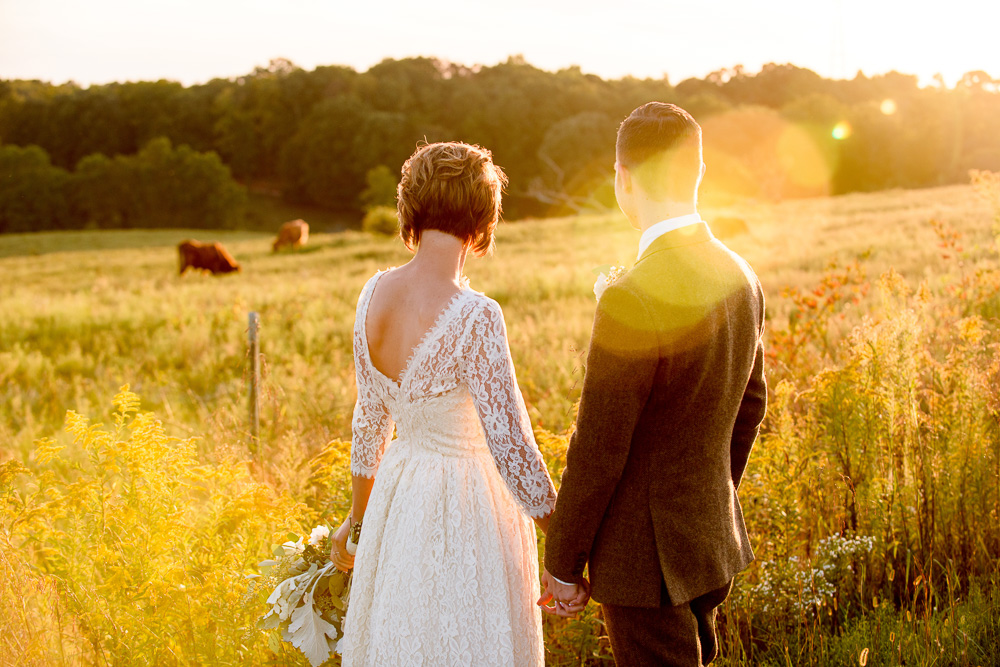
pixel 971 330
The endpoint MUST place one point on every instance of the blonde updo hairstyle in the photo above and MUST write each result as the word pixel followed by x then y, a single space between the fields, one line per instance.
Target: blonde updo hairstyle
pixel 454 188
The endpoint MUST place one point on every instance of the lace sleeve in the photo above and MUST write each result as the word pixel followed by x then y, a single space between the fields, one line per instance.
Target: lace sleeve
pixel 371 431
pixel 372 424
pixel 489 373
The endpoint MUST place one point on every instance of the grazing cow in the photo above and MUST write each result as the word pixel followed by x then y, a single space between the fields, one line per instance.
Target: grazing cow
pixel 206 257
pixel 725 228
pixel 293 233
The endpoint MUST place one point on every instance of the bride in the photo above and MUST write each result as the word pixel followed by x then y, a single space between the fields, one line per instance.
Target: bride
pixel 447 564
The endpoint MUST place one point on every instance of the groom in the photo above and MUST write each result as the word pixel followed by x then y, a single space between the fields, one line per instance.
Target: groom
pixel 672 402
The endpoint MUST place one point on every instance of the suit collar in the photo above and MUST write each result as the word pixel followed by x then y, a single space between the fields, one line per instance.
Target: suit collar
pixel 684 236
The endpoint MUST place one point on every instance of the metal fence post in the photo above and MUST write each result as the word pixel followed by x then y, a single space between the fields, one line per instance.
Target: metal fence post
pixel 254 340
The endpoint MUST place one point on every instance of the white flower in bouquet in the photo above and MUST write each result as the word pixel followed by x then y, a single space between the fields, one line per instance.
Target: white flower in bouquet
pixel 309 602
pixel 605 279
pixel 319 533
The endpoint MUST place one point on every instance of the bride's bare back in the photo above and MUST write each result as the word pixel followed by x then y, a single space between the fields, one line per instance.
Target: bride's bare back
pixel 406 303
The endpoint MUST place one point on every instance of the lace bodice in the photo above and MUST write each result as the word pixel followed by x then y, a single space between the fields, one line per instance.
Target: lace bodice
pixel 457 396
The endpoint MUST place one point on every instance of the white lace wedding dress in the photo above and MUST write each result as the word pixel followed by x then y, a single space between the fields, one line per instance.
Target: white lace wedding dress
pixel 446 572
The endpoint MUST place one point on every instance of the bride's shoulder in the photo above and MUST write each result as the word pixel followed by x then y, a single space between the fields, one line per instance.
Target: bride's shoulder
pixel 475 298
pixel 365 296
pixel 369 285
pixel 481 306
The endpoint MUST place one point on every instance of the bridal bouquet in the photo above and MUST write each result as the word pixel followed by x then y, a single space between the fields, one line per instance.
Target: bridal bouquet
pixel 310 600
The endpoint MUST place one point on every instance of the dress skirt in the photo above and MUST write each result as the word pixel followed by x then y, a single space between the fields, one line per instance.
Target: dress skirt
pixel 446 571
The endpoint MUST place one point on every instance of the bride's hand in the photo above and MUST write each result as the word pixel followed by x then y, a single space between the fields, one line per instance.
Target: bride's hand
pixel 338 547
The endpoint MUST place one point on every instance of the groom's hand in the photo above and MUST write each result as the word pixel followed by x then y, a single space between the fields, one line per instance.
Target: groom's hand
pixel 566 600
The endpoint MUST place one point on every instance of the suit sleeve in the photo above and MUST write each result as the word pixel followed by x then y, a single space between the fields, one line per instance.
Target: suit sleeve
pixel 621 366
pixel 752 408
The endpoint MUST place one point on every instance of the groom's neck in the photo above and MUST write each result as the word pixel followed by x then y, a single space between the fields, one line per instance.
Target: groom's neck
pixel 652 212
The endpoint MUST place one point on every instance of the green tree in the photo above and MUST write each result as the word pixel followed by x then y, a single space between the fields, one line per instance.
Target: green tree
pixel 579 155
pixel 159 187
pixel 318 163
pixel 33 192
pixel 327 160
pixel 182 187
pixel 103 189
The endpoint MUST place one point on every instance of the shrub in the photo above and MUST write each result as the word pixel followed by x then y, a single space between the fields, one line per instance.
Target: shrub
pixel 381 221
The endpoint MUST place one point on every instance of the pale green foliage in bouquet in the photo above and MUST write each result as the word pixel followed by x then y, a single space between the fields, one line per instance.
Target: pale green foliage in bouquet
pixel 309 597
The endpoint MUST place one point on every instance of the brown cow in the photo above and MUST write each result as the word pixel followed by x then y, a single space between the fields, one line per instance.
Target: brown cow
pixel 206 256
pixel 293 233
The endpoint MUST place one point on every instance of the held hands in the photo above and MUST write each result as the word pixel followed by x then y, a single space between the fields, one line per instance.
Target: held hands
pixel 338 547
pixel 562 599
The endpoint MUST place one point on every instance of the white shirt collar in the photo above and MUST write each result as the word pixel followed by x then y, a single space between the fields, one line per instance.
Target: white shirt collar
pixel 660 228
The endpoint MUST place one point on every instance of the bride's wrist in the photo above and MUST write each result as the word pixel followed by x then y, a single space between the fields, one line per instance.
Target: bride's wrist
pixel 353 537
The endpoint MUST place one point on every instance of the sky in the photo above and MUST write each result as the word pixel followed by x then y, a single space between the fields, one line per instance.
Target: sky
pixel 193 41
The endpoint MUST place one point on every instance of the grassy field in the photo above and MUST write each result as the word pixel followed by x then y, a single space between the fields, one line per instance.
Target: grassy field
pixel 82 313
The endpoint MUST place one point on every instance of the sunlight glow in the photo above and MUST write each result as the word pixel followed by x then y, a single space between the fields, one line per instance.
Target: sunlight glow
pixel 888 107
pixel 802 161
pixel 755 152
pixel 841 130
pixel 193 41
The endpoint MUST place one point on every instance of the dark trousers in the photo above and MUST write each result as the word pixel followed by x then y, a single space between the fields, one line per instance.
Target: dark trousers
pixel 680 636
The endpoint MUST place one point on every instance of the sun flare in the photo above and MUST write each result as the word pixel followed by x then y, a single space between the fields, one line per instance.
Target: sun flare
pixel 841 130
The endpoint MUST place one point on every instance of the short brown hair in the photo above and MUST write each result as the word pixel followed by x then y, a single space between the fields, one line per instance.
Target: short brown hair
pixel 452 187
pixel 667 140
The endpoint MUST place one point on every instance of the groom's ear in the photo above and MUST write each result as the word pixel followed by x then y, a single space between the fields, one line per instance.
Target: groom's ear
pixel 625 177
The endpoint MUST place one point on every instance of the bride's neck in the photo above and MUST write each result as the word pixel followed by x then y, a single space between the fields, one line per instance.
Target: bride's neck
pixel 440 255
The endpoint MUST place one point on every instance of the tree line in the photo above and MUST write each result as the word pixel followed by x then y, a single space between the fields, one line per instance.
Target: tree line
pixel 160 186
pixel 149 153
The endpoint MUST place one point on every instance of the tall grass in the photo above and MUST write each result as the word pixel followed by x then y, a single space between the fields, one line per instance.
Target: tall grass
pixel 872 497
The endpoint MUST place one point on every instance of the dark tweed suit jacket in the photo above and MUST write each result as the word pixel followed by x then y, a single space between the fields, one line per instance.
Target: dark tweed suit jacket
pixel 673 398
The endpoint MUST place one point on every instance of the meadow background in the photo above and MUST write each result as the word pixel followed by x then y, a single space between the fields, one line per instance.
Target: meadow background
pixel 872 496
